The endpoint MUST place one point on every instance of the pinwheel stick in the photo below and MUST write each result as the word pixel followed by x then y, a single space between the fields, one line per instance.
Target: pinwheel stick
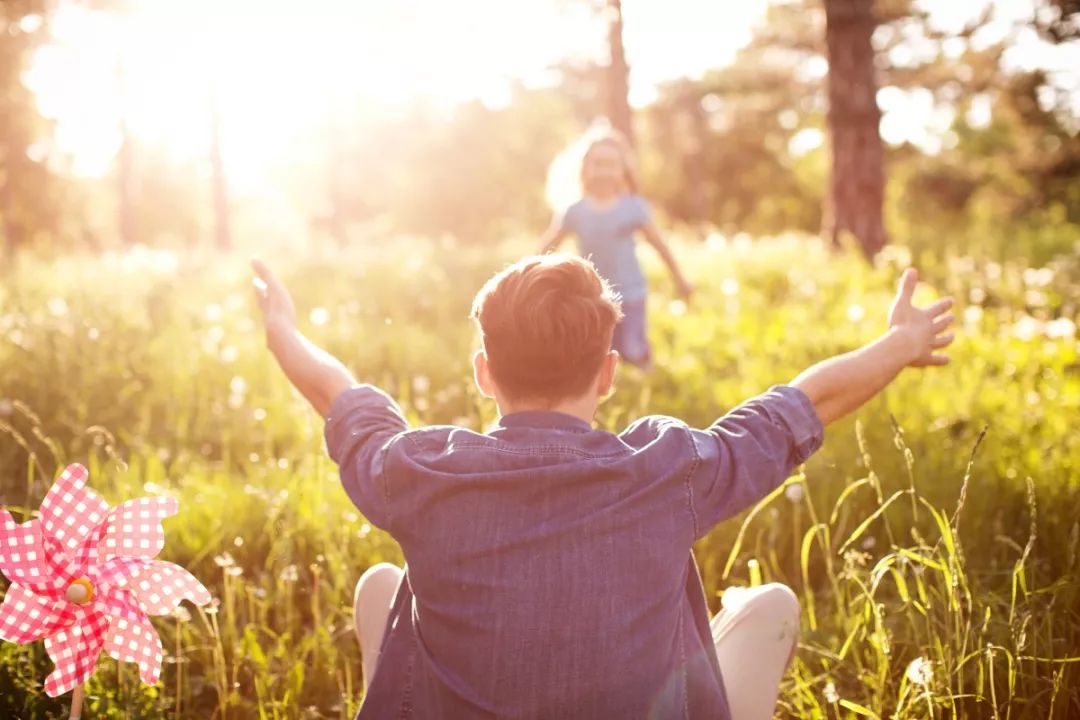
pixel 76 702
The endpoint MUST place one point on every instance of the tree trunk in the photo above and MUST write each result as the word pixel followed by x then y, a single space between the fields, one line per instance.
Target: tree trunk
pixel 125 206
pixel 856 194
pixel 618 75
pixel 222 235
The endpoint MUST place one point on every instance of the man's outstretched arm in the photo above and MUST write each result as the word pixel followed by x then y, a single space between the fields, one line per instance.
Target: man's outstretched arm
pixel 318 375
pixel 841 384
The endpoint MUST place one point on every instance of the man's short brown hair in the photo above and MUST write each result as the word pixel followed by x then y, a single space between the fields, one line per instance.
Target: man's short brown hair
pixel 546 324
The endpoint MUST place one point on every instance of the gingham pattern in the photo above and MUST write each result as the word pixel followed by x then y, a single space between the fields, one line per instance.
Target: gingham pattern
pixel 74 651
pixel 136 641
pixel 62 569
pixel 162 586
pixel 70 511
pixel 117 603
pixel 78 536
pixel 118 570
pixel 133 528
pixel 26 616
pixel 22 557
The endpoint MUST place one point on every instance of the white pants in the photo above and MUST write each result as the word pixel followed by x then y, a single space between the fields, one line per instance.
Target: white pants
pixel 754 633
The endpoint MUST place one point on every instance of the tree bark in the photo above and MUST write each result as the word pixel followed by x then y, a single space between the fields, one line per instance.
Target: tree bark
pixel 618 75
pixel 856 194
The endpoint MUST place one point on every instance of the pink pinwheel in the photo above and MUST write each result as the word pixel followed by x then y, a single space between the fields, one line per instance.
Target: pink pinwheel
pixel 83 577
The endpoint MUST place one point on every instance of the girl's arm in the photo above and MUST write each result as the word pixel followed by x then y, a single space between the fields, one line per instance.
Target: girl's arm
pixel 841 384
pixel 553 236
pixel 318 375
pixel 652 234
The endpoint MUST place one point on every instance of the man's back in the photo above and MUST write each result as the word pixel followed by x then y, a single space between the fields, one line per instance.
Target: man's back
pixel 549 569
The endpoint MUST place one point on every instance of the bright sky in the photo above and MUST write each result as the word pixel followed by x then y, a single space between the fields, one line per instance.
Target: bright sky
pixel 278 67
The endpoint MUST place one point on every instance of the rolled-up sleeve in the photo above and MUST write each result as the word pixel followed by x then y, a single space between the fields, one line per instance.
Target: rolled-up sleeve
pixel 747 453
pixel 360 430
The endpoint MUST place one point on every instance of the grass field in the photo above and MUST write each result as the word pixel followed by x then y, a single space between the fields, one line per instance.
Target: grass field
pixel 938 574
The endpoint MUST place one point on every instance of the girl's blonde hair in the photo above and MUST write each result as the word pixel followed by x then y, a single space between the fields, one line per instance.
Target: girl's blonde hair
pixel 566 174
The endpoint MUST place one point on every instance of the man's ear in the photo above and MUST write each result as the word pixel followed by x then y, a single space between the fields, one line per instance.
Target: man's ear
pixel 482 374
pixel 605 382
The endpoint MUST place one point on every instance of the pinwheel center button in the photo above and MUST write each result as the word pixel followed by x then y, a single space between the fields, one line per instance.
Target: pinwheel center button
pixel 80 591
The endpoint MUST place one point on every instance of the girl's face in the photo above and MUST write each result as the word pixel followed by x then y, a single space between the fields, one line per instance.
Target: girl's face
pixel 604 170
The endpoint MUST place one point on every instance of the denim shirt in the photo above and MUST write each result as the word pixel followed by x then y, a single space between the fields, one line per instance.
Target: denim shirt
pixel 549 571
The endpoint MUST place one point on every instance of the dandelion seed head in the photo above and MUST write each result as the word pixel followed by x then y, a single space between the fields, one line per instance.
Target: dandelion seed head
pixel 795 492
pixel 920 672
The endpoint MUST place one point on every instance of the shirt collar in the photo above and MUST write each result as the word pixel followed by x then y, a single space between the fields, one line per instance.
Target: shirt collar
pixel 543 419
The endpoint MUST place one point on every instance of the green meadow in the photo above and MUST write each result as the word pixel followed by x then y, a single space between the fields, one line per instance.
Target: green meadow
pixel 933 541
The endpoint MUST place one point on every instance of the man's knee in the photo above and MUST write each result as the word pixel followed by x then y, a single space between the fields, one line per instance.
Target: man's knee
pixel 778 601
pixel 379 580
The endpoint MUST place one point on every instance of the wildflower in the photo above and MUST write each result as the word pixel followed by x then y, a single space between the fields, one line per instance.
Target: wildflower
pixel 229 354
pixel 972 314
pixel 259 414
pixel 181 614
pixel 677 307
pixel 421 384
pixel 224 560
pixel 794 492
pixel 831 696
pixel 1027 328
pixel 730 287
pixel 364 530
pixel 855 558
pixel 1060 328
pixel 213 312
pixel 289 574
pixel 869 542
pixel 93 334
pixel 919 672
pixel 234 571
pixel 58 307
pixel 855 313
pixel 319 316
pixel 1039 277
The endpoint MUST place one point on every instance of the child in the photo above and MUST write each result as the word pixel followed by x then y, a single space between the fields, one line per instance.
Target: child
pixel 604 221
pixel 549 571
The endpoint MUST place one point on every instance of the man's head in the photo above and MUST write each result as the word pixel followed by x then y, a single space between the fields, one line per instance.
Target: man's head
pixel 546 324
